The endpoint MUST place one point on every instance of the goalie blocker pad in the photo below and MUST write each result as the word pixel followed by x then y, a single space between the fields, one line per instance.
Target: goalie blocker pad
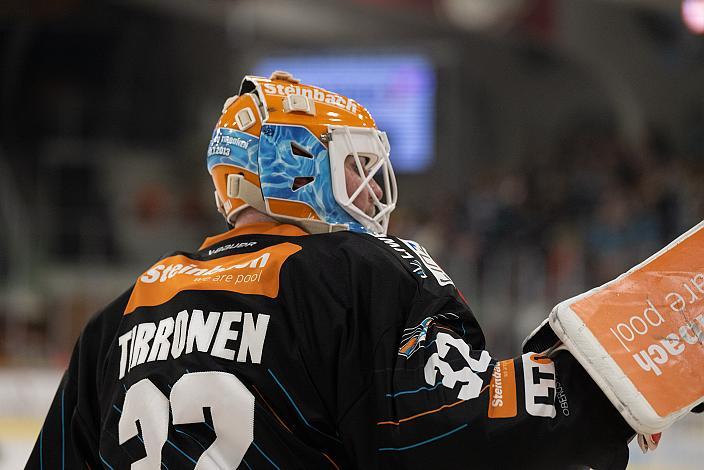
pixel 641 336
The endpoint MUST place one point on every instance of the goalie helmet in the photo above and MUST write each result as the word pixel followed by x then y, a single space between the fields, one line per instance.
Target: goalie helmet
pixel 281 147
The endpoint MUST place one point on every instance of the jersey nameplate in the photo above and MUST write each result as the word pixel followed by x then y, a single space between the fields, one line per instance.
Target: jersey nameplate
pixel 247 273
pixel 190 331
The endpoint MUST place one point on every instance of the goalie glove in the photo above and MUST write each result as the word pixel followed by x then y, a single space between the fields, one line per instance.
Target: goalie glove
pixel 639 337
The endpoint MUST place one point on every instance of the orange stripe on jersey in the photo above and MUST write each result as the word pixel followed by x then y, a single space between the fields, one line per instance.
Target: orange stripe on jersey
pixel 281 422
pixel 429 412
pixel 331 461
pixel 247 273
pixel 396 423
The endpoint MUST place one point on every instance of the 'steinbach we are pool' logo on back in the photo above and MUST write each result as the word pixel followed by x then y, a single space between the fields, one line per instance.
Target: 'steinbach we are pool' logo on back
pixel 246 273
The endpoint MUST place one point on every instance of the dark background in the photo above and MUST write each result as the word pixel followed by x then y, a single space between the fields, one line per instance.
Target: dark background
pixel 568 142
pixel 569 146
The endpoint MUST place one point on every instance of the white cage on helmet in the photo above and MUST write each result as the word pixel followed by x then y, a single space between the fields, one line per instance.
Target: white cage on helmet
pixel 370 150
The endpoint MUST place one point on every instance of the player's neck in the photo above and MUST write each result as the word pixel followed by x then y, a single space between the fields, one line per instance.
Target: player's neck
pixel 251 216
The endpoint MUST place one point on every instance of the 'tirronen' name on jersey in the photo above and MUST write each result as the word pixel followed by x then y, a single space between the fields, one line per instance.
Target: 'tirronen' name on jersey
pixel 213 334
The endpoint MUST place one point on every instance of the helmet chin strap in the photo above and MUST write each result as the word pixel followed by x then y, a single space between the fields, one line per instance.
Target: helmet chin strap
pixel 239 187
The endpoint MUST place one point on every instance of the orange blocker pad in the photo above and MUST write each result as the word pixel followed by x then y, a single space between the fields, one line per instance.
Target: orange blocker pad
pixel 641 336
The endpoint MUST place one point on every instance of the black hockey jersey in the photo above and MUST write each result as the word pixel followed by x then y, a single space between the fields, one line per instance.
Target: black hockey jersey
pixel 273 349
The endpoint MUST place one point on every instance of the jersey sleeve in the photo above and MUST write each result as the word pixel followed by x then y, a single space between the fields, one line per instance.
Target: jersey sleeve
pixel 437 397
pixel 70 435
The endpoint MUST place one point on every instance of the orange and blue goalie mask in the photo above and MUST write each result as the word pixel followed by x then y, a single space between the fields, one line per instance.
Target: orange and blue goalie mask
pixel 281 148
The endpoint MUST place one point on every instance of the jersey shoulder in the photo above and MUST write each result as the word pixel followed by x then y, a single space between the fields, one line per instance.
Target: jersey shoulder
pixel 388 255
pixel 416 259
pixel 352 250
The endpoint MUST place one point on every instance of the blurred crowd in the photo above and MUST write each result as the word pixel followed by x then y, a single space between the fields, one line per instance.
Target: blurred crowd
pixel 524 236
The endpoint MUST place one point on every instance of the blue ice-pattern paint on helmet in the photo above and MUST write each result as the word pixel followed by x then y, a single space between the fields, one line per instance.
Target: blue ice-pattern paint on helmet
pixel 280 167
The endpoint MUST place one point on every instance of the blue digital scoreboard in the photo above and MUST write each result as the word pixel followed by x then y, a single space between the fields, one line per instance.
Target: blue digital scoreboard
pixel 398 90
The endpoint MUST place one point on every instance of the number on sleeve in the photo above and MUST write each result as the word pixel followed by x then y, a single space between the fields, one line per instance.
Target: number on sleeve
pixel 472 382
